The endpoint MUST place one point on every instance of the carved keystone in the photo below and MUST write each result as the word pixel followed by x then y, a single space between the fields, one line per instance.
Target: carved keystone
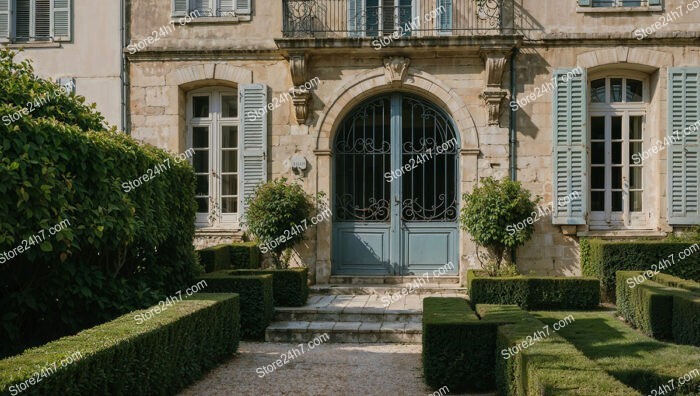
pixel 395 69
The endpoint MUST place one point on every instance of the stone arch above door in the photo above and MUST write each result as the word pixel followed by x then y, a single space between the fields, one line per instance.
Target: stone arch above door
pixel 376 81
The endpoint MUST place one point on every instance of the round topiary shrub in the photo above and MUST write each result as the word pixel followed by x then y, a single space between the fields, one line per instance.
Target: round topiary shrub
pixel 277 216
pixel 498 216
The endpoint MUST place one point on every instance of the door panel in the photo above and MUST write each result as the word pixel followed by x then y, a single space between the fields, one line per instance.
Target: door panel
pixel 365 248
pixel 429 246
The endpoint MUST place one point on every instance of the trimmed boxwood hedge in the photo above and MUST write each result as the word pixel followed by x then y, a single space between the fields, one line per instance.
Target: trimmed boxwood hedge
pixel 686 320
pixel 245 255
pixel 290 286
pixel 239 255
pixel 160 356
pixel 674 281
pixel 530 293
pixel 255 292
pixel 550 366
pixel 662 312
pixel 602 259
pixel 647 306
pixel 215 258
pixel 458 348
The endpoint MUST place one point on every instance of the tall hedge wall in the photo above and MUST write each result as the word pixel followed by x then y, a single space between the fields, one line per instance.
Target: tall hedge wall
pixel 602 259
pixel 157 357
pixel 121 251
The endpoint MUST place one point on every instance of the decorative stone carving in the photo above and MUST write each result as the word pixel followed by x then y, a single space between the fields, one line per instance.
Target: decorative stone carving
pixel 301 100
pixel 496 60
pixel 395 69
pixel 300 97
pixel 493 99
pixel 297 66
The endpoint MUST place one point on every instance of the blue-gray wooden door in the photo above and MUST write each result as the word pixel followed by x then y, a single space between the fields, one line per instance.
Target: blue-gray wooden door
pixel 395 192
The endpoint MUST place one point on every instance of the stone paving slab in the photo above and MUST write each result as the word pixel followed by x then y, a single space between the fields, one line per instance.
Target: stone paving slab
pixel 328 369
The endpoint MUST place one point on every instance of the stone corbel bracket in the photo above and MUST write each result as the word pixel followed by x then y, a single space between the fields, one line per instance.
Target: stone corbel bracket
pixel 395 70
pixel 496 60
pixel 298 62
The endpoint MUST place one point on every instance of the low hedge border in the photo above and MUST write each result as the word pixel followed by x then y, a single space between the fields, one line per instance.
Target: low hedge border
pixel 215 258
pixel 239 255
pixel 674 281
pixel 160 356
pixel 257 309
pixel 245 255
pixel 551 366
pixel 290 286
pixel 660 311
pixel 686 321
pixel 647 306
pixel 531 293
pixel 602 259
pixel 458 349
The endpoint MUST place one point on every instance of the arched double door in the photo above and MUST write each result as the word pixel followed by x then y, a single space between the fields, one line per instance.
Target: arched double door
pixel 396 194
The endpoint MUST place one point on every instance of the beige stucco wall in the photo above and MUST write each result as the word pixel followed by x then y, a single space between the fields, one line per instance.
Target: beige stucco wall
pixel 93 57
pixel 202 54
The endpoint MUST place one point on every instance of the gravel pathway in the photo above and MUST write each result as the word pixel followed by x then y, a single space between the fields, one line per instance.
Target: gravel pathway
pixel 328 369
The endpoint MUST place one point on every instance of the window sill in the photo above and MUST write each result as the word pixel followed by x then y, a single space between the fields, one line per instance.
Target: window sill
pixel 612 234
pixel 47 44
pixel 215 20
pixel 592 10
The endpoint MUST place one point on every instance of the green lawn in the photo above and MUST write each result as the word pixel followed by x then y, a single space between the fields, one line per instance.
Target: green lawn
pixel 638 361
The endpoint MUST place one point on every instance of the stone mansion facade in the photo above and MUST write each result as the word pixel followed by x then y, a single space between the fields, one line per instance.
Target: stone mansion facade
pixel 593 99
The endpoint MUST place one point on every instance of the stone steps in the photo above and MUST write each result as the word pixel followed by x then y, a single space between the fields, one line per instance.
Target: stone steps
pixel 391 280
pixel 384 289
pixel 362 318
pixel 345 332
pixel 354 314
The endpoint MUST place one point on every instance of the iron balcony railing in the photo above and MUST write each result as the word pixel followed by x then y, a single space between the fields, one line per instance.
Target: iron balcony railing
pixel 376 18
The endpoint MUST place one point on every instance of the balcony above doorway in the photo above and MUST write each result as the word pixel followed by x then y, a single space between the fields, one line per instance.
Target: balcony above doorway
pixel 375 24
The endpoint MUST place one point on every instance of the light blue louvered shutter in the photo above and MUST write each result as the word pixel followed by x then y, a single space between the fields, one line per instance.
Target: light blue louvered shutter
pixel 584 3
pixel 355 18
pixel 181 7
pixel 683 152
pixel 243 7
pixel 5 18
pixel 569 141
pixel 226 7
pixel 22 22
pixel 654 2
pixel 445 18
pixel 253 99
pixel 61 20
